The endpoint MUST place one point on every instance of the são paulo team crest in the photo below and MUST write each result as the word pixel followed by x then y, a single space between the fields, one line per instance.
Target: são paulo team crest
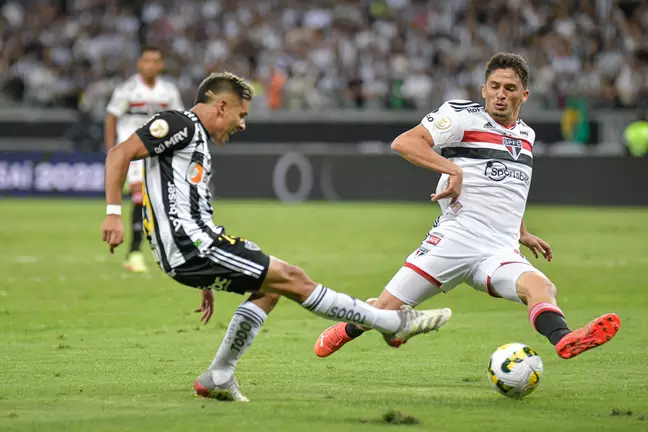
pixel 514 146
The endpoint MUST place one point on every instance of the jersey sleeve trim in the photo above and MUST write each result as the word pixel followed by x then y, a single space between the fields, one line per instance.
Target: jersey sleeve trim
pixel 446 124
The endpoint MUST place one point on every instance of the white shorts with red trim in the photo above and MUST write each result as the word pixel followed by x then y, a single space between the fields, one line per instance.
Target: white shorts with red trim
pixel 135 172
pixel 445 260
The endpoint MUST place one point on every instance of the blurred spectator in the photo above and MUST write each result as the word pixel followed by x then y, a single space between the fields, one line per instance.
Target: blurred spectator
pixel 360 54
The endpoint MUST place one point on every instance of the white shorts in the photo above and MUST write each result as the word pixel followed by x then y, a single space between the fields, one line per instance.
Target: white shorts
pixel 135 172
pixel 447 258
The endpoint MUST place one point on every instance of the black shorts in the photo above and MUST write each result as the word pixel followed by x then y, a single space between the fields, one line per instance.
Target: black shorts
pixel 230 264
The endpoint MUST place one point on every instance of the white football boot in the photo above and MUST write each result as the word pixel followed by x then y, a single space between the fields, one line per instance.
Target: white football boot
pixel 417 322
pixel 229 391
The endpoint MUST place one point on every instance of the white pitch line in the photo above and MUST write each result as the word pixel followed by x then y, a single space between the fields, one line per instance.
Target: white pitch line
pixel 25 259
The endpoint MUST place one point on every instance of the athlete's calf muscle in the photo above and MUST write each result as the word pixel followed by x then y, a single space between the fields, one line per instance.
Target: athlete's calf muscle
pixel 266 301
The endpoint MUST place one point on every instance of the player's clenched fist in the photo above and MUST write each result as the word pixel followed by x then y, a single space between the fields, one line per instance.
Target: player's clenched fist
pixel 112 231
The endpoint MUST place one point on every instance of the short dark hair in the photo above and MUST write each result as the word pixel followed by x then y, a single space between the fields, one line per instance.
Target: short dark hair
pixel 149 48
pixel 504 60
pixel 223 82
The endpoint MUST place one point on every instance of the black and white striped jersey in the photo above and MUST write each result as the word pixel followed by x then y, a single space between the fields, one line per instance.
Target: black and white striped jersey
pixel 177 209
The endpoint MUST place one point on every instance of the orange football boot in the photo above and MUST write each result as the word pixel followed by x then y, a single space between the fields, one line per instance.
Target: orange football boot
pixel 596 333
pixel 331 340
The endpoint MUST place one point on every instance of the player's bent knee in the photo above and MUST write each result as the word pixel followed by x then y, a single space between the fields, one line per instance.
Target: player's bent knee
pixel 551 289
pixel 514 281
pixel 542 291
pixel 535 285
pixel 546 289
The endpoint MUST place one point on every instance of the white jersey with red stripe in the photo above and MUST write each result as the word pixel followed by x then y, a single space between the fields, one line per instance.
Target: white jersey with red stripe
pixel 134 102
pixel 497 162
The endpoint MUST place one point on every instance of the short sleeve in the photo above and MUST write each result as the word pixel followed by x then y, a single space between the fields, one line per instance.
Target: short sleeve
pixel 166 132
pixel 118 104
pixel 446 124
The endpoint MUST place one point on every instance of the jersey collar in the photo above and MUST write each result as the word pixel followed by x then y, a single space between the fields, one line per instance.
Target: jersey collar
pixel 511 126
pixel 141 81
pixel 209 137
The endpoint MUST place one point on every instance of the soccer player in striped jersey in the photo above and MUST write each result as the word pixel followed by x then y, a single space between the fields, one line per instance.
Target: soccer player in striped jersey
pixel 131 104
pixel 485 157
pixel 190 248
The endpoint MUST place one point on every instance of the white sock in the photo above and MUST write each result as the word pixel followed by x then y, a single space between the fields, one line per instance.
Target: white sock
pixel 242 330
pixel 340 307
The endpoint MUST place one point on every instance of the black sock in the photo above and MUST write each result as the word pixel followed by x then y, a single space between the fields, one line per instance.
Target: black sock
pixel 353 331
pixel 137 228
pixel 552 325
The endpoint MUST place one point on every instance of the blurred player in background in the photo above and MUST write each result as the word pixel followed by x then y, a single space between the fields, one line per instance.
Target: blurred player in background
pixel 195 251
pixel 132 103
pixel 485 158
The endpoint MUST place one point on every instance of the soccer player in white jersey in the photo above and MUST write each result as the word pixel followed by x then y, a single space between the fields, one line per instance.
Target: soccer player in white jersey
pixel 194 251
pixel 485 158
pixel 132 103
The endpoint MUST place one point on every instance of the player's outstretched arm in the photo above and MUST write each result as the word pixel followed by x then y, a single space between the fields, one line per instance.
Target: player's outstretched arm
pixel 415 146
pixel 117 161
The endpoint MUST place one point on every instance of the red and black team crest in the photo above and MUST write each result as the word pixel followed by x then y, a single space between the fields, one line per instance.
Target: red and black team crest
pixel 514 146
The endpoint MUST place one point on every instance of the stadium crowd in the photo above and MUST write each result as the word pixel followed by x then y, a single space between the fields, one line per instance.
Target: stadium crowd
pixel 318 54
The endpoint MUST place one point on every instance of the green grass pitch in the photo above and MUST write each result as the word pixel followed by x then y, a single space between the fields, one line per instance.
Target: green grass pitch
pixel 86 346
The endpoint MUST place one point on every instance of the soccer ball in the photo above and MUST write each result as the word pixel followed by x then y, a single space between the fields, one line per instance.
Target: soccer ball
pixel 515 370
